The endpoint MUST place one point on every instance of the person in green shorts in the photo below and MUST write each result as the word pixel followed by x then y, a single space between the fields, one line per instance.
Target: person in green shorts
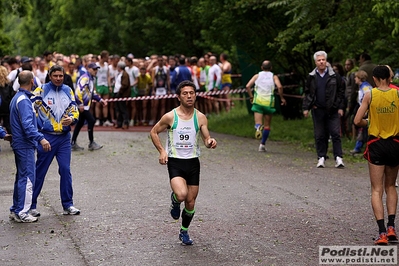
pixel 263 100
pixel 103 89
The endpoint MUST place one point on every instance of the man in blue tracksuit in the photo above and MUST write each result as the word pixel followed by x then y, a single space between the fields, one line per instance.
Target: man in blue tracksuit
pixel 24 142
pixel 56 111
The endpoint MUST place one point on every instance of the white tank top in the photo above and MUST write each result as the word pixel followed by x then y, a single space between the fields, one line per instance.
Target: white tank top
pixel 102 75
pixel 182 141
pixel 264 89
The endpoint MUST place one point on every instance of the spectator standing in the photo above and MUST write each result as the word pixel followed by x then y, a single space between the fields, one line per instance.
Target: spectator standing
pixel 122 86
pixel 214 80
pixel 133 73
pixel 6 94
pixel 103 89
pixel 24 142
pixel 227 83
pixel 367 65
pixel 144 84
pixel 56 112
pixel 364 87
pixel 41 72
pixel 324 97
pixel 84 94
pixel 161 87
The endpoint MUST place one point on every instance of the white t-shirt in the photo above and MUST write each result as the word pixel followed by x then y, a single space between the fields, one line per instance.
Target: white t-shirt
pixel 118 82
pixel 133 73
pixel 16 85
pixel 41 75
pixel 102 74
pixel 113 72
pixel 214 77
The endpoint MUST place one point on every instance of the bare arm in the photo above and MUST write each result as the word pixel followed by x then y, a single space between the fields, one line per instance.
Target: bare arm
pixel 250 84
pixel 209 142
pixel 280 89
pixel 361 112
pixel 159 127
pixel 168 80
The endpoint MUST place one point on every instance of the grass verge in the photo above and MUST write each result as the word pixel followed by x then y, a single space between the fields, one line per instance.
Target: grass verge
pixel 239 122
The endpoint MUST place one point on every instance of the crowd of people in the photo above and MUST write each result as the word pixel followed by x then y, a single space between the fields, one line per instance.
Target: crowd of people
pixel 127 76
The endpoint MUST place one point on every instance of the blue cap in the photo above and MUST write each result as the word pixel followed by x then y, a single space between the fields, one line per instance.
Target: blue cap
pixel 93 66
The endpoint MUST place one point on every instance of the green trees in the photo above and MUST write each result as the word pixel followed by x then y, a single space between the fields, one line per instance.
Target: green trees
pixel 286 31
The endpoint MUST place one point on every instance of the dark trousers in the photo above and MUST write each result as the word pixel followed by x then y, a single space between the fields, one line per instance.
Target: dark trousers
pixel 123 117
pixel 84 116
pixel 325 125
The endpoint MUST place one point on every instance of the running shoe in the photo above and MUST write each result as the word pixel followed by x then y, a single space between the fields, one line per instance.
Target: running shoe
pixel 391 234
pixel 97 123
pixel 34 212
pixel 23 218
pixel 339 163
pixel 320 162
pixel 108 124
pixel 185 238
pixel 76 147
pixel 14 217
pixel 259 132
pixel 262 148
pixel 71 211
pixel 174 208
pixel 94 146
pixel 354 151
pixel 381 240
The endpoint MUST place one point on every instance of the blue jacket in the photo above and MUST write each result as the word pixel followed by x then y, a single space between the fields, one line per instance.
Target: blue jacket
pixel 23 122
pixel 183 73
pixel 51 104
pixel 2 133
pixel 84 91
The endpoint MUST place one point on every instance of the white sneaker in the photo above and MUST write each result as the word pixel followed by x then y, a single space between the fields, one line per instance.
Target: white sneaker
pixel 151 123
pixel 97 123
pixel 22 218
pixel 108 124
pixel 71 211
pixel 131 123
pixel 320 163
pixel 262 147
pixel 34 212
pixel 339 163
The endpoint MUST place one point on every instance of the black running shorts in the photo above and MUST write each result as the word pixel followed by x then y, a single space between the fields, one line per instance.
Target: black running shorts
pixel 189 169
pixel 382 151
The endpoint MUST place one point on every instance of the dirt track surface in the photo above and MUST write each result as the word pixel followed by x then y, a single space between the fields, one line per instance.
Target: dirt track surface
pixel 253 208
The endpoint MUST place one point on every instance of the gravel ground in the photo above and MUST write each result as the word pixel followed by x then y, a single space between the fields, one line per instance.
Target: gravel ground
pixel 272 208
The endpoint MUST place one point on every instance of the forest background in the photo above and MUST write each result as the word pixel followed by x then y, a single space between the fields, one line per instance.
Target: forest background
pixel 286 32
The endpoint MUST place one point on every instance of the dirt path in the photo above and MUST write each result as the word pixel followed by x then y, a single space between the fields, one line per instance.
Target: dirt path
pixel 254 208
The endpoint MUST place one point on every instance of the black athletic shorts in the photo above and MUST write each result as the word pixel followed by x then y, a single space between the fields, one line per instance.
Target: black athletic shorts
pixel 382 151
pixel 189 169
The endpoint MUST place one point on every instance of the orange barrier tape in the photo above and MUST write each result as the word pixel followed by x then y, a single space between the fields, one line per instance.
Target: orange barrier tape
pixel 207 95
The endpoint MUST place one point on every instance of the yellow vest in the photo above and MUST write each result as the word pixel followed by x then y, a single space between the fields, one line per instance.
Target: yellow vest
pixel 384 113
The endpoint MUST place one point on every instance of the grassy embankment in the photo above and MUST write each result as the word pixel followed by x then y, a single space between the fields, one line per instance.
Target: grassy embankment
pixel 300 132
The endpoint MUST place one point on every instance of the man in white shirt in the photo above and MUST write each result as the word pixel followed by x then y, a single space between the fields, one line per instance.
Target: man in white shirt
pixel 214 79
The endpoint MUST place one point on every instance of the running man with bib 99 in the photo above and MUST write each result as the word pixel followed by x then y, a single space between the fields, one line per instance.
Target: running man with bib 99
pixel 183 125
